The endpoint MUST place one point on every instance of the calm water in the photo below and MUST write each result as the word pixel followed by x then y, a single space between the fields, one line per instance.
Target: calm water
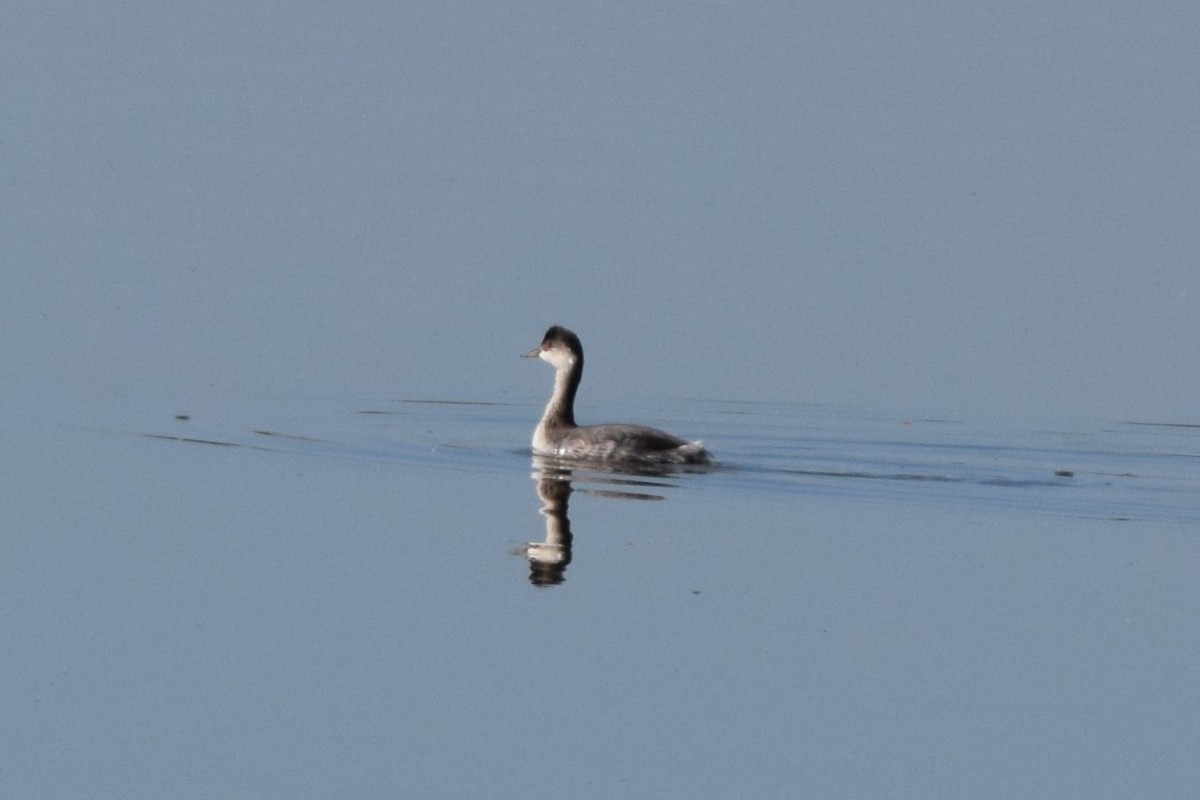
pixel 379 598
pixel 250 550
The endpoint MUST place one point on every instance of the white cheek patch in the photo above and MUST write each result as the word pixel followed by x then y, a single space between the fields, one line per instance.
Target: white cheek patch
pixel 556 356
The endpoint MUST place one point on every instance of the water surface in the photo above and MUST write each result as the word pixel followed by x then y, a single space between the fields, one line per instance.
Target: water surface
pixel 268 503
pixel 336 597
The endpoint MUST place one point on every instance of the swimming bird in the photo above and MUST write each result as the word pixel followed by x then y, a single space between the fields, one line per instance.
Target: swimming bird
pixel 558 435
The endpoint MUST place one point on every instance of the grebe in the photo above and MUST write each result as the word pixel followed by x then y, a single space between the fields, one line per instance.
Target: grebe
pixel 558 435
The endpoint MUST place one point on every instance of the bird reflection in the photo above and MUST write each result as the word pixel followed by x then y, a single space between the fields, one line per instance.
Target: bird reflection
pixel 548 559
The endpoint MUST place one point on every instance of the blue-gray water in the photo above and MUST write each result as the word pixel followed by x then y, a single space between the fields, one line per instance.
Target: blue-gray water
pixel 331 598
pixel 924 278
